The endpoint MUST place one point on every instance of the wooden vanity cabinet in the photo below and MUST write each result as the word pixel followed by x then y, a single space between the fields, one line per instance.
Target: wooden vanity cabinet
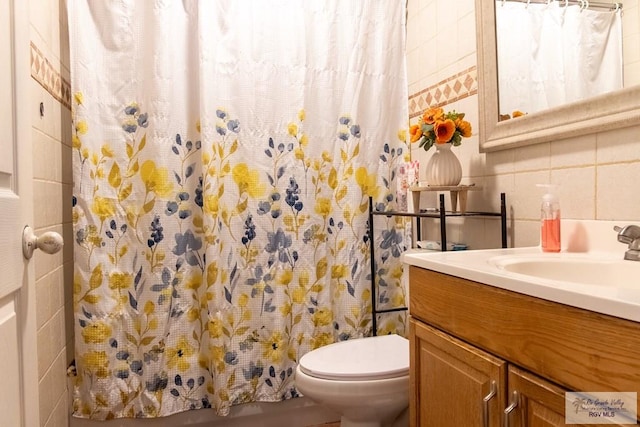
pixel 540 402
pixel 454 382
pixel 466 336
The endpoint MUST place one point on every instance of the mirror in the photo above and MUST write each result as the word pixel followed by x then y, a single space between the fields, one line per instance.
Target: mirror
pixel 611 110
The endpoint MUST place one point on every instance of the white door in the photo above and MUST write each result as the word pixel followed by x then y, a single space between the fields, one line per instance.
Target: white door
pixel 18 350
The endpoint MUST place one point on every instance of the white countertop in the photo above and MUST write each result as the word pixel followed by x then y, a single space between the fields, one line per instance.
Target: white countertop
pixel 474 265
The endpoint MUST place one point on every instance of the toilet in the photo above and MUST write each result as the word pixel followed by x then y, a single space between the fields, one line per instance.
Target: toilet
pixel 365 380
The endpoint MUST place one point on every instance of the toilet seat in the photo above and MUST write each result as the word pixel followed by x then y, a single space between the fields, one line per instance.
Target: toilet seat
pixel 371 358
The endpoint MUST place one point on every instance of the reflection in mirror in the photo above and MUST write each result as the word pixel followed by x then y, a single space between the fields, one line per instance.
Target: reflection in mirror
pixel 599 113
pixel 552 53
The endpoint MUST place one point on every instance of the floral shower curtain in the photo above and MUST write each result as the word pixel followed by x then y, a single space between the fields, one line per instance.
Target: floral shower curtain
pixel 224 153
pixel 550 54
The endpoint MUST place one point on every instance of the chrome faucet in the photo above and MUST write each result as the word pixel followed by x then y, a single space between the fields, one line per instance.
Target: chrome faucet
pixel 630 235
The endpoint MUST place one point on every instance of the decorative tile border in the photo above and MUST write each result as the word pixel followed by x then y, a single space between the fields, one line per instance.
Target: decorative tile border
pixel 49 78
pixel 452 89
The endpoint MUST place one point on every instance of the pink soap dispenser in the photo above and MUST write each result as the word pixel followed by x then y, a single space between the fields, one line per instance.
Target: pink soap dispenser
pixel 550 220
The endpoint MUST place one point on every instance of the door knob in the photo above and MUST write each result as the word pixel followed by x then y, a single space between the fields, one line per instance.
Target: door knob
pixel 49 242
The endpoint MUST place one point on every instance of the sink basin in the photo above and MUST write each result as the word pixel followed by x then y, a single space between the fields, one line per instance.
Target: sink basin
pixel 583 270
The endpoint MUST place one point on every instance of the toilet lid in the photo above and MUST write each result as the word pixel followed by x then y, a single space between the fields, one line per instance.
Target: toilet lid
pixel 385 356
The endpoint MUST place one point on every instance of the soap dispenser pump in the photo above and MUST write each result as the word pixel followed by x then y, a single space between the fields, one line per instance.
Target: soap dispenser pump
pixel 550 219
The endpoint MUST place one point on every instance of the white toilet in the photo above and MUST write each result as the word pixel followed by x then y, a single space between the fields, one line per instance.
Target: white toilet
pixel 365 380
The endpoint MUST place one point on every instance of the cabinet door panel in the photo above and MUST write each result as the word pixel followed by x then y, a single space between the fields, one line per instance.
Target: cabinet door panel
pixel 541 403
pixel 450 379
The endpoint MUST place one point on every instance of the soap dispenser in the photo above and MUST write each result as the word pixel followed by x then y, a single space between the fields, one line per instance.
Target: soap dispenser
pixel 550 219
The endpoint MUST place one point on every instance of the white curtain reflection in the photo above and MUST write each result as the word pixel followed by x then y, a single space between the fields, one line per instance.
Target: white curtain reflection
pixel 552 54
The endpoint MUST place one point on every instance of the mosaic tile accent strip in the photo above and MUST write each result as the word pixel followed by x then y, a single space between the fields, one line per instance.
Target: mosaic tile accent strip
pixel 49 78
pixel 452 89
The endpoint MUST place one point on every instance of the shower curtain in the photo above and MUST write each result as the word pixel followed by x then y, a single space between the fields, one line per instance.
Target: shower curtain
pixel 552 54
pixel 223 154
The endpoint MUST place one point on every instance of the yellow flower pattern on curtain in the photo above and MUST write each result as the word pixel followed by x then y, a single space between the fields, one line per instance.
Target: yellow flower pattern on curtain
pixel 207 263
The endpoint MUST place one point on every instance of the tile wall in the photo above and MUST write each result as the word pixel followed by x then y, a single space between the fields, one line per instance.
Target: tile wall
pixel 597 173
pixel 52 183
pixel 631 42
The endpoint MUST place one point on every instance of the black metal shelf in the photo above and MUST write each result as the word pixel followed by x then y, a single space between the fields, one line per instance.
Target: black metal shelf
pixel 439 213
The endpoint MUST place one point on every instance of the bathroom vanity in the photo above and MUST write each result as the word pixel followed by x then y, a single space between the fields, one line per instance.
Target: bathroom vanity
pixel 484 340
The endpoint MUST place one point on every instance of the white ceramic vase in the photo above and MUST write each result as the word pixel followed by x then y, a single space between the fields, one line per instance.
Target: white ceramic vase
pixel 443 168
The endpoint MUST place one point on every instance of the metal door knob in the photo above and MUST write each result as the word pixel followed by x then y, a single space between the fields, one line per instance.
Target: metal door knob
pixel 49 242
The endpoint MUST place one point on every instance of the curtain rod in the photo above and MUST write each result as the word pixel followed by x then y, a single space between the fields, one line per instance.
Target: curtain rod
pixel 583 3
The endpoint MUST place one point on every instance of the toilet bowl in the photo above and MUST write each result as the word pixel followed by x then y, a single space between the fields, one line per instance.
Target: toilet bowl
pixel 365 380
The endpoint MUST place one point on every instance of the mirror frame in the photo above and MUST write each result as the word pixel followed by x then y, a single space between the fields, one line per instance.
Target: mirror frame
pixel 604 112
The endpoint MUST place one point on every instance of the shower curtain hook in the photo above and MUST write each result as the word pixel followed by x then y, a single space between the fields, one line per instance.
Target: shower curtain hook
pixel 617 7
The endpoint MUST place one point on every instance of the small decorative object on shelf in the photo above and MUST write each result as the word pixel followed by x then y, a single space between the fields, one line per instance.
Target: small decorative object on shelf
pixel 407 177
pixel 443 130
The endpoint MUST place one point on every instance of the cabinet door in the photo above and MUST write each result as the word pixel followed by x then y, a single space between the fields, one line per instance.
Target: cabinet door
pixel 450 381
pixel 540 403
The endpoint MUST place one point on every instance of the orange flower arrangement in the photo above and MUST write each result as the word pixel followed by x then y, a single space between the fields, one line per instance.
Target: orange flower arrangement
pixel 437 127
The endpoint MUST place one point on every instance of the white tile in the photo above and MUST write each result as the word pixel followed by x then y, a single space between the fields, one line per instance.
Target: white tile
pixel 445 17
pixel 59 374
pixel 55 35
pixel 632 74
pixel 578 151
pixel 466 27
pixel 526 196
pixel 56 119
pixel 631 48
pixel 46 398
pixel 576 192
pixel 500 162
pixel 45 354
pixel 464 8
pixel 47 157
pixel 60 416
pixel 618 145
pixel 40 17
pixel 413 67
pixel 617 192
pixel 56 289
pixel 429 23
pixel 43 306
pixel 493 234
pixel 447 36
pixel 39 95
pixel 48 195
pixel 474 160
pixel 526 233
pixel 413 6
pixel 59 332
pixel 64 37
pixel 492 186
pixel 532 157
